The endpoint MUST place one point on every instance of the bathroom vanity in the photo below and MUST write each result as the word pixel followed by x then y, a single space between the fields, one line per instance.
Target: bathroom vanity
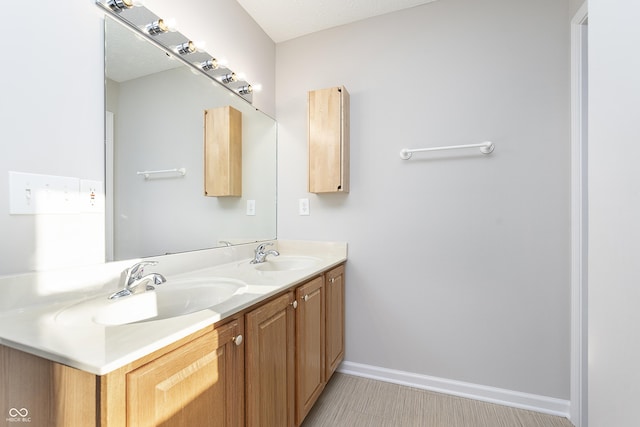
pixel 260 357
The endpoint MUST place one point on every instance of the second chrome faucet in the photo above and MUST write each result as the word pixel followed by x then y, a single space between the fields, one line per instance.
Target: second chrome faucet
pixel 260 255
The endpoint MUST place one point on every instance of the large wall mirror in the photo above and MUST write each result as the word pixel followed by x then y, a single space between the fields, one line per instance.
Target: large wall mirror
pixel 155 121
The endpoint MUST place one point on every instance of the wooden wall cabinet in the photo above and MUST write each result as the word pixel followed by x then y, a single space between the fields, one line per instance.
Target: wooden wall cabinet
pixel 222 152
pixel 328 139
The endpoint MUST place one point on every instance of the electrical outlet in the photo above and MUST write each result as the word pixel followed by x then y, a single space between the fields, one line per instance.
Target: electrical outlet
pixel 91 196
pixel 303 206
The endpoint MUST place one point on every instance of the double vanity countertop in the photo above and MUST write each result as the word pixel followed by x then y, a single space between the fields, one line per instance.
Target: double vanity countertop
pixel 34 315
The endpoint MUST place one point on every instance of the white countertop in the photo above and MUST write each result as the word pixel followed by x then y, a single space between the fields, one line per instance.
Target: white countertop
pixel 28 314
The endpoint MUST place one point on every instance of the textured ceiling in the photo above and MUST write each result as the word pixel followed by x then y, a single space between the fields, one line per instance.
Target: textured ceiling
pixel 287 19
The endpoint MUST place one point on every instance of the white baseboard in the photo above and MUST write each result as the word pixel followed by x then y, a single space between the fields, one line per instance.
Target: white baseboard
pixel 532 402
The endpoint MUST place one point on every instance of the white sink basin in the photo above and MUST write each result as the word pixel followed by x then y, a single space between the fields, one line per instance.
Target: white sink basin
pixel 174 298
pixel 287 263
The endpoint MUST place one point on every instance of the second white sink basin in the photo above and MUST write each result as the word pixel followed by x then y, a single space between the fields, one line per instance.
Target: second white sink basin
pixel 175 298
pixel 287 263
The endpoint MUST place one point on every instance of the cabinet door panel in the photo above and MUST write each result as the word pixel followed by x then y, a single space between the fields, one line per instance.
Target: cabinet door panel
pixel 328 139
pixel 310 344
pixel 269 364
pixel 335 319
pixel 196 384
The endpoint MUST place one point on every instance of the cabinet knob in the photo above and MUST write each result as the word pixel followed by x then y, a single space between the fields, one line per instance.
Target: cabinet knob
pixel 305 298
pixel 237 339
pixel 294 304
pixel 333 279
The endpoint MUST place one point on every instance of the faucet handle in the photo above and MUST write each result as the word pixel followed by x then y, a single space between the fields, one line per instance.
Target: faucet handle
pixel 137 270
pixel 262 246
pixel 134 272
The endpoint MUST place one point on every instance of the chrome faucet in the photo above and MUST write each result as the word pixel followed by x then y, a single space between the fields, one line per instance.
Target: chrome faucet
pixel 133 280
pixel 261 254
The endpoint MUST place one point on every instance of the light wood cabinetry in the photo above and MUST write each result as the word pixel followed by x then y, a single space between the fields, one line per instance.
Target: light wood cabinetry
pixel 38 392
pixel 198 380
pixel 334 293
pixel 328 138
pixel 294 344
pixel 310 345
pixel 267 366
pixel 222 152
pixel 198 384
pixel 270 364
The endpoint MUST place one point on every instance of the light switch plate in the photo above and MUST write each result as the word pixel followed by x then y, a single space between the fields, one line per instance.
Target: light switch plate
pixel 32 194
pixel 303 206
pixel 251 207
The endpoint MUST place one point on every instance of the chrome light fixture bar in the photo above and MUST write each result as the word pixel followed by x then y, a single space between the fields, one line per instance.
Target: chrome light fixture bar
pixel 161 34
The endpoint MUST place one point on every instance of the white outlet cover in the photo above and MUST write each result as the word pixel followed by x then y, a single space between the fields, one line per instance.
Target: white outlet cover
pixel 91 197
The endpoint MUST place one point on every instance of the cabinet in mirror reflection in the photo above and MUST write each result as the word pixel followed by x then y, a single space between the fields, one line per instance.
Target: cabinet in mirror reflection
pixel 157 108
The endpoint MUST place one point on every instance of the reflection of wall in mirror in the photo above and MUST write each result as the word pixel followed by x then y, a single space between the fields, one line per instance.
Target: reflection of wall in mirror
pixel 159 125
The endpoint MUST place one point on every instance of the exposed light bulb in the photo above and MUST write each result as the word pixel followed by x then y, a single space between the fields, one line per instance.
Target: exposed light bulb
pixel 157 27
pixel 186 48
pixel 120 5
pixel 229 78
pixel 209 64
pixel 200 46
pixel 245 90
pixel 171 24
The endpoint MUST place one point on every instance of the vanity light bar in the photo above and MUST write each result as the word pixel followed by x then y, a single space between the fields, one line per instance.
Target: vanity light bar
pixel 149 25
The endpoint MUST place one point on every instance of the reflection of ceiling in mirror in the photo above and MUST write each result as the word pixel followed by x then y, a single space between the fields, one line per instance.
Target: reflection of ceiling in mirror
pixel 122 65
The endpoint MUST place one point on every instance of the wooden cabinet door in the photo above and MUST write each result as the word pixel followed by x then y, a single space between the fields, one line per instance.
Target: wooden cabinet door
pixel 310 345
pixel 198 384
pixel 335 319
pixel 328 140
pixel 269 364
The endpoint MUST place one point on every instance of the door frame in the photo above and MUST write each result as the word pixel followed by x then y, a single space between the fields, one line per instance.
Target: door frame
pixel 579 216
